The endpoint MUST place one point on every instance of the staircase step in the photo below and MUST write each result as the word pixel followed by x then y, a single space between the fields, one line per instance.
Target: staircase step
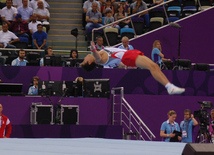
pixel 65 4
pixel 65 37
pixel 65 10
pixel 66 15
pixel 64 31
pixel 65 21
pixel 66 1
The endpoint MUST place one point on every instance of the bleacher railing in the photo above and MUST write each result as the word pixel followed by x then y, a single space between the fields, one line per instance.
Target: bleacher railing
pixel 161 4
pixel 124 114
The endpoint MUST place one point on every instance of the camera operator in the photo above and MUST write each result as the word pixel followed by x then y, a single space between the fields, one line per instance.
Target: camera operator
pixel 211 126
pixel 168 127
pixel 186 126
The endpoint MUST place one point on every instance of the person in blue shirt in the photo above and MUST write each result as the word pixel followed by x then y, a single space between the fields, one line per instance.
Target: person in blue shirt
pixel 169 126
pixel 187 125
pixel 157 55
pixel 33 90
pixel 20 61
pixel 40 38
pixel 125 44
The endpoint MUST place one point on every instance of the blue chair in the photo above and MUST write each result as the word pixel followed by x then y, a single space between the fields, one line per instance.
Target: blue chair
pixel 171 19
pixel 103 19
pixel 174 8
pixel 188 10
pixel 128 32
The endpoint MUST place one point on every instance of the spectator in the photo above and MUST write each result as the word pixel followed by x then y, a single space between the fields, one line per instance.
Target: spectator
pixel 8 13
pixel 48 52
pixel 25 11
pixel 5 123
pixel 99 44
pixel 138 6
pixel 125 6
pixel 40 38
pixel 113 3
pixel 110 19
pixel 18 3
pixel 125 44
pixel 33 24
pixel 107 7
pixel 19 27
pixel 186 126
pixel 42 15
pixel 120 15
pixel 7 37
pixel 157 51
pixel 211 126
pixel 33 4
pixel 93 17
pixel 74 54
pixel 88 5
pixel 33 90
pixel 168 127
pixel 20 61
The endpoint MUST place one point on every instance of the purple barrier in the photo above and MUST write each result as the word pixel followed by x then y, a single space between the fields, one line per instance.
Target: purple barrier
pixel 196 37
pixel 66 131
pixel 135 81
pixel 93 111
pixel 153 109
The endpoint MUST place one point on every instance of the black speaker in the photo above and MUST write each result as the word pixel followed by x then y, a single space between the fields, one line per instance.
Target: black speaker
pixel 201 67
pixel 198 149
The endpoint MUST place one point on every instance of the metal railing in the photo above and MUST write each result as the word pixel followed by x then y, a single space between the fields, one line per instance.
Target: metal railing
pixel 132 121
pixel 120 20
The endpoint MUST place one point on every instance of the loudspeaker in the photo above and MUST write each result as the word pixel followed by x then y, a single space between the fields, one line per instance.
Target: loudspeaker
pixel 198 149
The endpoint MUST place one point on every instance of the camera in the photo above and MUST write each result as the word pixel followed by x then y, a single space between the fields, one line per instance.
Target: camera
pixel 203 115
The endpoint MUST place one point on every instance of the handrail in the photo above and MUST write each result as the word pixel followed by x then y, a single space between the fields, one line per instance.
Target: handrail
pixel 129 17
pixel 132 116
pixel 138 118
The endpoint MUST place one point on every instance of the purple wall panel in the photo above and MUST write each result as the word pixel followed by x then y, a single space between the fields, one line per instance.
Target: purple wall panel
pixel 93 111
pixel 135 81
pixel 66 131
pixel 196 37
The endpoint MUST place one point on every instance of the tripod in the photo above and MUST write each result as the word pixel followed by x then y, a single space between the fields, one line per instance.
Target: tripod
pixel 202 135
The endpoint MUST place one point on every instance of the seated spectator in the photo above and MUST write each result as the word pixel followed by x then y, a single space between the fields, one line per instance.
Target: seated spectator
pixel 33 24
pixel 25 11
pixel 113 3
pixel 40 38
pixel 74 54
pixel 110 19
pixel 19 27
pixel 138 6
pixel 88 5
pixel 8 13
pixel 20 61
pixel 120 15
pixel 42 15
pixel 93 17
pixel 125 6
pixel 125 44
pixel 157 51
pixel 48 52
pixel 99 44
pixel 18 3
pixel 33 4
pixel 33 90
pixel 7 37
pixel 107 7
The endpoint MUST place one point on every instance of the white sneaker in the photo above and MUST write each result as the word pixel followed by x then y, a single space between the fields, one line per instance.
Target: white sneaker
pixel 175 90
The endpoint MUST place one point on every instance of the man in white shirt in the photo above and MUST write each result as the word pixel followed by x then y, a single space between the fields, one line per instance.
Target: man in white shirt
pixel 7 37
pixel 33 4
pixel 8 13
pixel 33 24
pixel 18 3
pixel 20 61
pixel 42 15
